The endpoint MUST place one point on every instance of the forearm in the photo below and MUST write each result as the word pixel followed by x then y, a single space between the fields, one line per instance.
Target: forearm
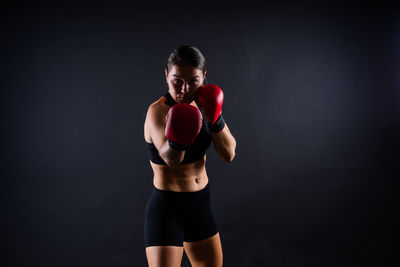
pixel 210 97
pixel 171 156
pixel 224 144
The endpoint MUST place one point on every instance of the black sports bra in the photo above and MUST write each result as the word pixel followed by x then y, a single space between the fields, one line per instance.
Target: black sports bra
pixel 196 150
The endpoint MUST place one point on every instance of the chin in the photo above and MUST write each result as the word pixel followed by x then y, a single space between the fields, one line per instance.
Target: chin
pixel 180 100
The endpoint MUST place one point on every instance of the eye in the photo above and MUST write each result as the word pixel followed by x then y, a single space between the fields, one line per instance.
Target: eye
pixel 194 82
pixel 177 81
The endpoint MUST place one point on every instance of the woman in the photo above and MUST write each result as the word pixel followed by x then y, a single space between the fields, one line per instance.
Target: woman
pixel 178 212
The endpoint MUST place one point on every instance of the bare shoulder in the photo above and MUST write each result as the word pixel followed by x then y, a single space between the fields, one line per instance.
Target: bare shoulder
pixel 155 118
pixel 157 109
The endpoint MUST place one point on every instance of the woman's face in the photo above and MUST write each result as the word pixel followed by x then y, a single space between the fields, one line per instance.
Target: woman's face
pixel 183 82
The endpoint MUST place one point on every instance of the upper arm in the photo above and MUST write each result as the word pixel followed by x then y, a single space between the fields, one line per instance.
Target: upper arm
pixel 155 122
pixel 156 125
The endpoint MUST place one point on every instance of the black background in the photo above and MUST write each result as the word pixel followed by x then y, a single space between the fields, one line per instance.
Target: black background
pixel 311 95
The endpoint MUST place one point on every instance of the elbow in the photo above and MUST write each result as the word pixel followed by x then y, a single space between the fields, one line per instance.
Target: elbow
pixel 172 158
pixel 232 157
pixel 229 157
pixel 231 152
pixel 172 162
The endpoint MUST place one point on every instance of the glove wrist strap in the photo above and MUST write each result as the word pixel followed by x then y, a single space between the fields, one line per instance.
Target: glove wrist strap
pixel 218 125
pixel 176 146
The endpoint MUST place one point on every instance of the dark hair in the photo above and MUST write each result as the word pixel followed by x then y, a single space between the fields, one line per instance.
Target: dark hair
pixel 186 55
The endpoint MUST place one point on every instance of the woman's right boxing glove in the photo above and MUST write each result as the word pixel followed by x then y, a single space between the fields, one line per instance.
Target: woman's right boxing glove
pixel 183 124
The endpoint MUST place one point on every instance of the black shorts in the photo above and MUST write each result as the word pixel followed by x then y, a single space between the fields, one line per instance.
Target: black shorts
pixel 173 217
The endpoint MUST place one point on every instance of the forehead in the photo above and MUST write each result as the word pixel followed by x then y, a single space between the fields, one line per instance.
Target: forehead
pixel 185 71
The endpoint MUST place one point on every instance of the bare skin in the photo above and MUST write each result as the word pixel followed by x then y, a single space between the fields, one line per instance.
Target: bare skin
pixel 183 83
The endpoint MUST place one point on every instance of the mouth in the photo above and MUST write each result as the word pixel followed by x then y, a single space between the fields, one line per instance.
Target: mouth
pixel 183 98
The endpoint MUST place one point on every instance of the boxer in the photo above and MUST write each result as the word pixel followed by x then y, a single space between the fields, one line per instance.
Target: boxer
pixel 179 128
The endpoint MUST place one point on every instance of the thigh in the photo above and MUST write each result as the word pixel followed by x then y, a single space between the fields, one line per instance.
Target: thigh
pixel 199 220
pixel 162 224
pixel 164 256
pixel 205 253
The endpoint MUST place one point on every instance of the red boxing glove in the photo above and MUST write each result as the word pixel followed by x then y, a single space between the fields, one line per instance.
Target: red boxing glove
pixel 183 124
pixel 211 97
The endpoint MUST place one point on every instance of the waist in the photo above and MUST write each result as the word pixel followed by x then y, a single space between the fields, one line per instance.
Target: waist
pixel 187 183
pixel 182 178
pixel 204 191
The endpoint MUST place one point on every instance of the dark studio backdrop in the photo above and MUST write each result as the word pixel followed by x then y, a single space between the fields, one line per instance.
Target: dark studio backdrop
pixel 311 96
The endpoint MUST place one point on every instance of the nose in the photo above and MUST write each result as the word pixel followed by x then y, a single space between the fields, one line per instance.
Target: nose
pixel 185 88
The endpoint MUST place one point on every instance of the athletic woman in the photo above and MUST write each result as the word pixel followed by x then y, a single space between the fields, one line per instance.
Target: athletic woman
pixel 178 129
